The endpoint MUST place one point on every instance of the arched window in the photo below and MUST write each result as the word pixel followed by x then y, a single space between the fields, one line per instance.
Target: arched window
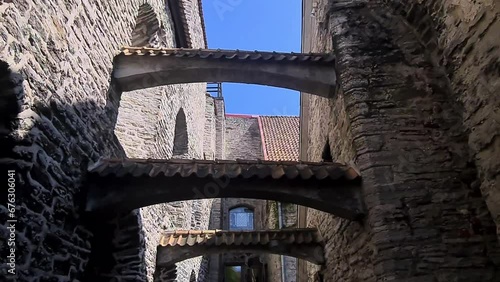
pixel 147 27
pixel 180 135
pixel 326 156
pixel 241 218
pixel 192 278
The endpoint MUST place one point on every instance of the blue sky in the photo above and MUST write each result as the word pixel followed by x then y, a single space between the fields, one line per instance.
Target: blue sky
pixel 267 25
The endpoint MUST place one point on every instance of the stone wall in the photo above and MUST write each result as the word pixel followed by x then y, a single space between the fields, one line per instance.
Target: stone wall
pixel 150 122
pixel 394 118
pixel 243 139
pixel 152 117
pixel 289 213
pixel 209 145
pixel 62 55
pixel 463 36
pixel 196 24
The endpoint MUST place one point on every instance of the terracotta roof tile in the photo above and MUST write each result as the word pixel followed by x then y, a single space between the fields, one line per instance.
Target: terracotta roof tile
pixel 326 58
pixel 280 137
pixel 223 237
pixel 220 168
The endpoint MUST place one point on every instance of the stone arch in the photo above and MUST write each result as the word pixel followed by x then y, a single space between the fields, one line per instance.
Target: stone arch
pixel 140 68
pixel 180 245
pixel 147 27
pixel 181 142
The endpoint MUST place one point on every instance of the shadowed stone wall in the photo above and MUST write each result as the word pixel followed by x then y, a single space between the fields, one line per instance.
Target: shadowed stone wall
pixel 463 38
pixel 61 55
pixel 162 123
pixel 395 118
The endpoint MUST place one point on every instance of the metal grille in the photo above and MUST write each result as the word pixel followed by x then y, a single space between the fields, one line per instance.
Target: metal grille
pixel 241 219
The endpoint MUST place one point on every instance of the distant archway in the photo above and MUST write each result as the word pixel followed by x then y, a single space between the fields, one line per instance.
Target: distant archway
pixel 147 27
pixel 180 135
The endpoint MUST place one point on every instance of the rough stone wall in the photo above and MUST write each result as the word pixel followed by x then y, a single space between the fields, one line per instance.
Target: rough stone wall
pixel 259 209
pixel 209 143
pixel 463 36
pixel 146 125
pixel 195 22
pixel 272 261
pixel 332 125
pixel 64 53
pixel 215 223
pixel 243 139
pixel 136 127
pixel 289 213
pixel 393 118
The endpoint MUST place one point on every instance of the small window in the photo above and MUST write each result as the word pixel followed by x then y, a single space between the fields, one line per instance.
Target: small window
pixel 241 218
pixel 232 273
pixel 180 135
pixel 193 276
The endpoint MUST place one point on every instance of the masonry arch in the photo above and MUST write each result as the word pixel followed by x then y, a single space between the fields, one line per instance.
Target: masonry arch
pixel 139 68
pixel 181 141
pixel 134 183
pixel 177 246
pixel 147 27
pixel 384 51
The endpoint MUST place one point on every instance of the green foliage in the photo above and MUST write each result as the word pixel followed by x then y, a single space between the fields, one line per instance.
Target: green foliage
pixel 233 274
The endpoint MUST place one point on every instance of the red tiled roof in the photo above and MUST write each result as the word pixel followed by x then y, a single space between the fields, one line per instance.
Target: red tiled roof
pixel 280 137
